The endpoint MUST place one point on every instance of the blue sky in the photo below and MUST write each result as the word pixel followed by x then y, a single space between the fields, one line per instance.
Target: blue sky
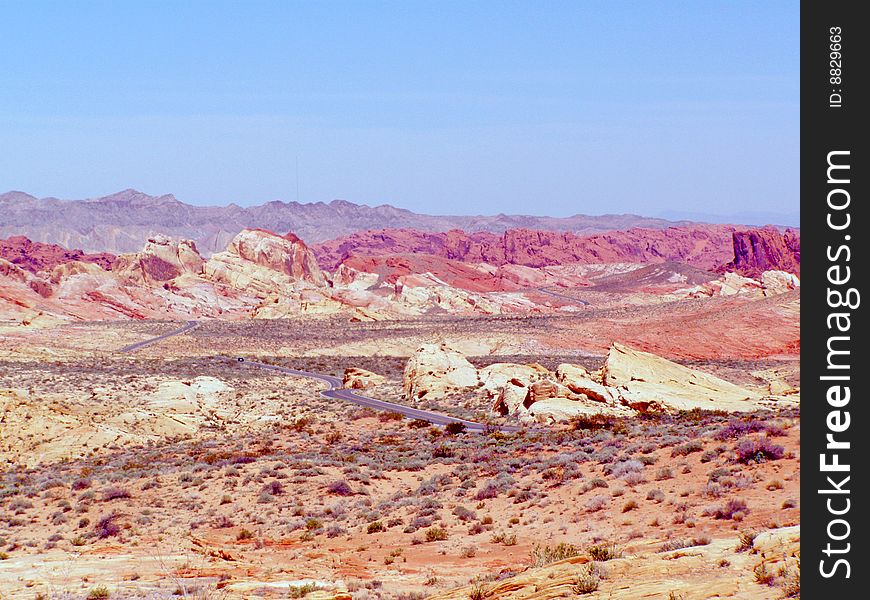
pixel 440 107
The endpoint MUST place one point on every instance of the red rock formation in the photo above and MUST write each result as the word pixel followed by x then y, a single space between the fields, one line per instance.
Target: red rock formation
pixel 759 250
pixel 36 256
pixel 704 246
pixel 255 256
pixel 161 259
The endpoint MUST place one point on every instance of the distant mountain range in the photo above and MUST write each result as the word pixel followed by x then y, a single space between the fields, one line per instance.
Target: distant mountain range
pixel 122 222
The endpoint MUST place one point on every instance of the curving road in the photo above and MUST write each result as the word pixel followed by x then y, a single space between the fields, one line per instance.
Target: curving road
pixel 335 391
pixel 133 347
pixel 562 296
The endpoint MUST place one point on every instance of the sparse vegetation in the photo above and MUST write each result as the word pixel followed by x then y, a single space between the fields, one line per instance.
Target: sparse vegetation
pixel 544 555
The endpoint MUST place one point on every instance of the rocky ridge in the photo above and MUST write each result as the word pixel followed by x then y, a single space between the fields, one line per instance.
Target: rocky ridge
pixel 629 383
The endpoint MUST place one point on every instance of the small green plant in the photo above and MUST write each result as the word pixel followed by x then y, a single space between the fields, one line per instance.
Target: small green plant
pixel 376 527
pixel 478 592
pixel 544 555
pixel 244 534
pixel 4 556
pixel 504 539
pixel 747 540
pixel 312 524
pixel 587 580
pixel 100 592
pixel 603 552
pixel 762 575
pixel 300 591
pixel 435 534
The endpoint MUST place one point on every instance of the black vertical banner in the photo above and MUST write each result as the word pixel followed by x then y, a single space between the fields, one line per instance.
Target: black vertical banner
pixel 835 452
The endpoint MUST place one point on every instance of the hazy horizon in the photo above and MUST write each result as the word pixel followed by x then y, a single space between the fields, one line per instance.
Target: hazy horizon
pixel 741 218
pixel 594 108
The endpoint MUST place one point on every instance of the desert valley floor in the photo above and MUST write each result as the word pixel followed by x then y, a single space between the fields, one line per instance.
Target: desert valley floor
pixel 177 471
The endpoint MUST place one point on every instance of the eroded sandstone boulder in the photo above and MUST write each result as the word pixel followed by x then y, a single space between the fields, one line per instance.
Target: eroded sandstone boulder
pixel 435 370
pixel 361 379
pixel 160 260
pixel 645 382
pixel 263 263
pixel 580 381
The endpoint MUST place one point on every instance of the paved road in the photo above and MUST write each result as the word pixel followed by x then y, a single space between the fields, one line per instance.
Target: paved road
pixel 335 391
pixel 133 347
pixel 563 296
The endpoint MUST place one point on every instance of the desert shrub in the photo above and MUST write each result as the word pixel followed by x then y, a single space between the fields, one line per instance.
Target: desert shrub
pixel 107 527
pixel 115 493
pixel 633 479
pixel 758 451
pixel 492 489
pixel 544 555
pixel 624 468
pixel 687 543
pixel 443 451
pixel 738 429
pixel 464 514
pixel 596 503
pixel 505 539
pixel 709 455
pixel 333 531
pixel 476 529
pixel 596 482
pixel 746 541
pixel 478 591
pixel 455 427
pixel 436 534
pixel 524 496
pixel 655 496
pixel 687 448
pixel 664 473
pixel 385 417
pixel 81 484
pixel 223 522
pixel 300 591
pixel 791 585
pixel 603 552
pixel 629 506
pixel 598 422
pixel 375 527
pixel 244 534
pixel 588 579
pixel 762 575
pixel 100 592
pixel 729 510
pixel 274 488
pixel 20 505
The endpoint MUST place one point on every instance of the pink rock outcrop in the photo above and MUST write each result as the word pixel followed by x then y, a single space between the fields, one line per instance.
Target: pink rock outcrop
pixel 760 250
pixel 36 256
pixel 705 246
